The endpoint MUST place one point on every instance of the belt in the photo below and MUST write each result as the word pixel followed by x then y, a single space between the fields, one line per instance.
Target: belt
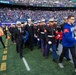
pixel 42 32
pixel 50 36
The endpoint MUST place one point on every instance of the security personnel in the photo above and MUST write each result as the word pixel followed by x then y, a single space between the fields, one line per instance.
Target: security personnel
pixel 58 30
pixel 51 32
pixel 19 32
pixel 42 37
pixel 35 33
pixel 29 29
pixel 68 41
pixel 38 35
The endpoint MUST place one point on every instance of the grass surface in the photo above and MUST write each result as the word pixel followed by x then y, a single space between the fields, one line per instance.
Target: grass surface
pixel 38 64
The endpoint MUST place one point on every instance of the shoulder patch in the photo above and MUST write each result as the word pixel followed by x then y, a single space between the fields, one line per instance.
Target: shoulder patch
pixel 66 30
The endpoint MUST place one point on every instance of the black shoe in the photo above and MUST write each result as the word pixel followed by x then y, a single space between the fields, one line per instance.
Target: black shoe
pixel 31 49
pixel 21 57
pixel 43 54
pixel 38 47
pixel 57 50
pixel 17 52
pixel 4 47
pixel 68 59
pixel 54 61
pixel 46 57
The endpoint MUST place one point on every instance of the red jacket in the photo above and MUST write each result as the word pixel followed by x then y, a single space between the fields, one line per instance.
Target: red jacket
pixel 58 35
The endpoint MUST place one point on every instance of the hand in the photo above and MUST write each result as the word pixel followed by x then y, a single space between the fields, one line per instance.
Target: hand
pixel 75 38
pixel 49 42
pixel 58 35
pixel 38 39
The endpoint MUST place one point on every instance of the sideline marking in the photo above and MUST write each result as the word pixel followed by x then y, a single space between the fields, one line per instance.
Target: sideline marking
pixel 3 67
pixel 26 64
pixel 5 52
pixel 4 57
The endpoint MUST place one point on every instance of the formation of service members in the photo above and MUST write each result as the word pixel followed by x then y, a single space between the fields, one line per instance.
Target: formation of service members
pixel 45 36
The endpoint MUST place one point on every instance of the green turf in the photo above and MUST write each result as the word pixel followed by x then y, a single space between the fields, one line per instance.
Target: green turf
pixel 38 64
pixel 2 49
pixel 1 53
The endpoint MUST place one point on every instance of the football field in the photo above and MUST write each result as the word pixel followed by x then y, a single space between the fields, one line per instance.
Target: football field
pixel 33 62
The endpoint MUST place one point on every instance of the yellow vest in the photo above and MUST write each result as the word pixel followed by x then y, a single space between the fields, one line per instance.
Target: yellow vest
pixel 6 28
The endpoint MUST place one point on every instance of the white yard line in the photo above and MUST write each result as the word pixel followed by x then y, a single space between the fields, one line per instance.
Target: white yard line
pixel 26 64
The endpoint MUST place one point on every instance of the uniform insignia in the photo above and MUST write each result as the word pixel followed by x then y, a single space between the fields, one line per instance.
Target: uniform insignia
pixel 66 30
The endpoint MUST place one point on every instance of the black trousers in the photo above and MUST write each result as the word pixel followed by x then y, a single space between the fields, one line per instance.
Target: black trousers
pixel 30 43
pixel 5 34
pixel 2 42
pixel 73 53
pixel 19 48
pixel 12 38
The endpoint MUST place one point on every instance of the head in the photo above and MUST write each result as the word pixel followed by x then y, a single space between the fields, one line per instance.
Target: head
pixel 65 20
pixel 5 25
pixel 43 22
pixel 71 19
pixel 50 23
pixel 29 21
pixel 39 23
pixel 55 22
pixel 18 24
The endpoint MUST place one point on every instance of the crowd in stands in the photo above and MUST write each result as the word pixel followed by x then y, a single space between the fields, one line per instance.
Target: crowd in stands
pixel 15 14
pixel 48 3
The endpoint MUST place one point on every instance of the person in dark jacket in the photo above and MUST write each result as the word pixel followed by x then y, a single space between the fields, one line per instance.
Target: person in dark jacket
pixel 68 41
pixel 35 33
pixel 11 30
pixel 38 35
pixel 51 41
pixel 29 29
pixel 19 32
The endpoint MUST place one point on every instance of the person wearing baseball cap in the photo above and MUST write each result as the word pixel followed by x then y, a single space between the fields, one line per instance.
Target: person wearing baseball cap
pixel 19 32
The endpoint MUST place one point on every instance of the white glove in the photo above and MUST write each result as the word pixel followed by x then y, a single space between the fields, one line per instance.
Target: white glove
pixel 38 39
pixel 49 42
pixel 24 36
pixel 75 38
pixel 58 35
pixel 35 36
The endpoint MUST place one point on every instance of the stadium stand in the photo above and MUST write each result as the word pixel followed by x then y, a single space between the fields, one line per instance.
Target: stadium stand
pixel 47 3
pixel 16 14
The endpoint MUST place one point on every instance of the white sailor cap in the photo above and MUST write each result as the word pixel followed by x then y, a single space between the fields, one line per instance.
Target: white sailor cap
pixel 39 21
pixel 29 19
pixel 51 19
pixel 25 23
pixel 65 17
pixel 18 22
pixel 35 22
pixel 55 20
pixel 43 20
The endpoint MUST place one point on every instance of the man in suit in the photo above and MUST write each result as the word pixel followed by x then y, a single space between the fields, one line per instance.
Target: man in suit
pixel 29 29
pixel 19 32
